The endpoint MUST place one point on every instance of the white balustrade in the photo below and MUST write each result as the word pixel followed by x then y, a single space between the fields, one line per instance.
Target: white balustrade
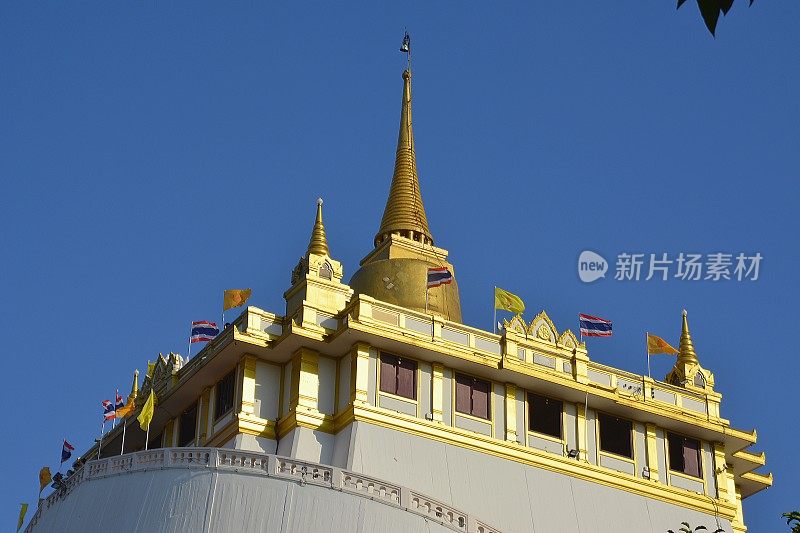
pixel 268 465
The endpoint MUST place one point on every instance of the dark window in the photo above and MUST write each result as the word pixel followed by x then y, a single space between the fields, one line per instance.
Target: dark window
pixel 472 396
pixel 399 376
pixel 224 402
pixel 544 415
pixel 188 425
pixel 615 435
pixel 684 454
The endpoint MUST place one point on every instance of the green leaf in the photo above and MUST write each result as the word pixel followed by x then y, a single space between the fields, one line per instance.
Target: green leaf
pixel 709 9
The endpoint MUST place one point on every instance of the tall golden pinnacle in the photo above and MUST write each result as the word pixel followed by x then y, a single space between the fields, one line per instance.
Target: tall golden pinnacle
pixel 686 353
pixel 319 243
pixel 405 214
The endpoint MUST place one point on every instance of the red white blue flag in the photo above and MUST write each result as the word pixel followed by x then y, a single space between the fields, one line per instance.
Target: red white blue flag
pixel 118 403
pixel 66 450
pixel 203 331
pixel 592 326
pixel 109 412
pixel 439 276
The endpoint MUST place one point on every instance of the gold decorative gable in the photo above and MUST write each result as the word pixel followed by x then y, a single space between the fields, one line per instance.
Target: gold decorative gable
pixel 543 328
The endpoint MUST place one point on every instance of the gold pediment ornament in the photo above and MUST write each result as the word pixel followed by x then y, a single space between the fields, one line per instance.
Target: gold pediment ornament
pixel 568 339
pixel 517 325
pixel 543 328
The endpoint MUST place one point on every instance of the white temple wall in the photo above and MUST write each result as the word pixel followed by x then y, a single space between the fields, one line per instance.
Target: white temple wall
pixel 511 496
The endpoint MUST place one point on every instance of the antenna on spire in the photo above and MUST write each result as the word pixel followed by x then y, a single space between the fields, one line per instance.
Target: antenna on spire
pixel 406 48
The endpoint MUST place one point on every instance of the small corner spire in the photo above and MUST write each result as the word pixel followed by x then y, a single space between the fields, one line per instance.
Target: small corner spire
pixel 686 353
pixel 319 242
pixel 134 386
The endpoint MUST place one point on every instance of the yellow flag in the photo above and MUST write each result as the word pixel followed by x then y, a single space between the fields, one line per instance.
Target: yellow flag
pixel 22 512
pixel 507 301
pixel 150 368
pixel 656 345
pixel 44 477
pixel 146 416
pixel 126 410
pixel 235 298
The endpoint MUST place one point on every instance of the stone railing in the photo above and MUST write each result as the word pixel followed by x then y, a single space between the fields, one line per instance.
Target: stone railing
pixel 302 472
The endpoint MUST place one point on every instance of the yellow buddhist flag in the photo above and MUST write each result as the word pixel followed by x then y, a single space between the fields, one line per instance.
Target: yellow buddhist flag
pixel 23 510
pixel 235 298
pixel 146 416
pixel 126 410
pixel 507 301
pixel 657 345
pixel 44 477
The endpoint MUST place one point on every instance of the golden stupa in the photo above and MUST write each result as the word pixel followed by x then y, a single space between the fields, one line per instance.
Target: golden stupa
pixel 396 270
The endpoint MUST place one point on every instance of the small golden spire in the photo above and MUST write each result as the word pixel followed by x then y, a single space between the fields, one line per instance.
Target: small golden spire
pixel 686 353
pixel 405 214
pixel 134 387
pixel 319 243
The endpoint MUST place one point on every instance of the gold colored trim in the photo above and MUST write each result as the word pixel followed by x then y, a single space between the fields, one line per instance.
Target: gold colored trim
pixel 533 457
pixel 651 451
pixel 511 412
pixel 437 392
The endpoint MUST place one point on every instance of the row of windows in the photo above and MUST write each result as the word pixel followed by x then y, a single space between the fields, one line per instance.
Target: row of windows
pixel 399 376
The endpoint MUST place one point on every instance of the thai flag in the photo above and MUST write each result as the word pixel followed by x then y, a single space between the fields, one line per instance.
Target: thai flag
pixel 439 276
pixel 109 413
pixel 592 326
pixel 66 451
pixel 203 331
pixel 118 403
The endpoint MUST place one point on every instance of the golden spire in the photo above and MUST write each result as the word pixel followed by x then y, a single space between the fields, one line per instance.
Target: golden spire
pixel 134 387
pixel 319 243
pixel 686 353
pixel 404 214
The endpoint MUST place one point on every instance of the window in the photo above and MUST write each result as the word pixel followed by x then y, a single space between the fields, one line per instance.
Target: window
pixel 684 454
pixel 224 393
pixel 399 376
pixel 615 435
pixel 472 396
pixel 544 415
pixel 188 426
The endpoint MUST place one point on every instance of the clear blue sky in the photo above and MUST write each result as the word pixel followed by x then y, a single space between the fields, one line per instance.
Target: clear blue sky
pixel 154 153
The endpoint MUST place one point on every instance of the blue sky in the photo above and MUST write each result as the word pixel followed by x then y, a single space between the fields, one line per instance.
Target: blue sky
pixel 155 153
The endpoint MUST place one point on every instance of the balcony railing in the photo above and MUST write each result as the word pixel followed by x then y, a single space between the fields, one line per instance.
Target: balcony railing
pixel 268 465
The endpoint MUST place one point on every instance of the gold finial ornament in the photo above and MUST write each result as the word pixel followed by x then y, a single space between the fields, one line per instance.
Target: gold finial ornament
pixel 405 214
pixel 134 387
pixel 686 353
pixel 319 243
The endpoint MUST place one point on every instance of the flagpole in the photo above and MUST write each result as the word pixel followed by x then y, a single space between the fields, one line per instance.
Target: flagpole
pixel 646 349
pixel 114 420
pixel 102 431
pixel 124 427
pixel 62 455
pixel 147 436
pixel 494 319
pixel 190 343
